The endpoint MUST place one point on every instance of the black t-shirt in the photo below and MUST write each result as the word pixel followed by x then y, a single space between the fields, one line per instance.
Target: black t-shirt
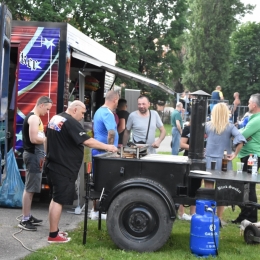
pixel 27 144
pixel 65 137
pixel 122 114
pixel 186 134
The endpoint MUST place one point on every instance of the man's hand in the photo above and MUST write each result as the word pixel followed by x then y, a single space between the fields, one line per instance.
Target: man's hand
pixel 156 144
pixel 111 148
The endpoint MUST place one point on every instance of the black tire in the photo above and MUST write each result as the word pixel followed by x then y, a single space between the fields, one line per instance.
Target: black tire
pixel 138 219
pixel 250 232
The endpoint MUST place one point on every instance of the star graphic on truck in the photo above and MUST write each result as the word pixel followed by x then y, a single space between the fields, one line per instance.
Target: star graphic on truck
pixel 19 136
pixel 48 43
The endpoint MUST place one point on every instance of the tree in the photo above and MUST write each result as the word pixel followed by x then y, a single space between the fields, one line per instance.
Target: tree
pixel 245 61
pixel 208 47
pixel 142 33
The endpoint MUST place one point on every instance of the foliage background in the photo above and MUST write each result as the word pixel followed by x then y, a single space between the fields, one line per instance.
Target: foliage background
pixel 186 44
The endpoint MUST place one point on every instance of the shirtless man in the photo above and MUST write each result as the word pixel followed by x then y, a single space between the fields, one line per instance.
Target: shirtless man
pixel 236 103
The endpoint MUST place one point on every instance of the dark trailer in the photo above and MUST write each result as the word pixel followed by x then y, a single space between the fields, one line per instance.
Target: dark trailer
pixel 139 192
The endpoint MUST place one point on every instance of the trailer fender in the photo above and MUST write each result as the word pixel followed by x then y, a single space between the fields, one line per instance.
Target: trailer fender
pixel 138 183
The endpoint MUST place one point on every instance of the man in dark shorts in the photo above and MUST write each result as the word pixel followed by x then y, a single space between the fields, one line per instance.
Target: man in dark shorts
pixel 65 149
pixel 33 156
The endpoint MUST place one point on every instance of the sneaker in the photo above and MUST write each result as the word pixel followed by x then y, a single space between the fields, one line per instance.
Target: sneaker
pixel 244 224
pixel 104 216
pixel 35 221
pixel 63 233
pixel 27 225
pixel 236 221
pixel 94 215
pixel 185 217
pixel 58 239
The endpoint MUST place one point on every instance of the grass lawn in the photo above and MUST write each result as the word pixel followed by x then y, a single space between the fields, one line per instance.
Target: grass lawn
pixel 100 247
pixel 168 129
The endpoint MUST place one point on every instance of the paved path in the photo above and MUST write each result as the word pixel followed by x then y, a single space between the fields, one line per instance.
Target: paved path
pixel 11 249
pixel 165 145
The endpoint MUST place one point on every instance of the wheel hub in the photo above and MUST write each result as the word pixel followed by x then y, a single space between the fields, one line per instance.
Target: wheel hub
pixel 139 221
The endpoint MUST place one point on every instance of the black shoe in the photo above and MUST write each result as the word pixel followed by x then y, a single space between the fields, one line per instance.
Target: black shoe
pixel 35 221
pixel 27 225
pixel 236 221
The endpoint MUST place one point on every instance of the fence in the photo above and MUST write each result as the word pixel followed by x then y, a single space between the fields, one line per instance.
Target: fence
pixel 166 113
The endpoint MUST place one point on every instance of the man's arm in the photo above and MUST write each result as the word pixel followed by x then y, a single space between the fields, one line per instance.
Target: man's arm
pixel 156 144
pixel 92 143
pixel 111 136
pixel 126 137
pixel 121 125
pixel 250 129
pixel 34 135
pixel 178 125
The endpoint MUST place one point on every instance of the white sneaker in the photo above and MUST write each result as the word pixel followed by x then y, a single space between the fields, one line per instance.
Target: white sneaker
pixel 94 215
pixel 185 217
pixel 244 224
pixel 104 216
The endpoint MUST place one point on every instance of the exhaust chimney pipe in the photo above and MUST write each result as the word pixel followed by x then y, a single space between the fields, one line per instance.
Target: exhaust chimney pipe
pixel 197 129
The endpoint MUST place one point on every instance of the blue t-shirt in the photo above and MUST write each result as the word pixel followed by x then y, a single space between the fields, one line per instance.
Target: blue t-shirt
pixel 104 121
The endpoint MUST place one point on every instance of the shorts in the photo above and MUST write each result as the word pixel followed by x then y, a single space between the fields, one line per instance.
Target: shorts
pixel 63 188
pixel 33 177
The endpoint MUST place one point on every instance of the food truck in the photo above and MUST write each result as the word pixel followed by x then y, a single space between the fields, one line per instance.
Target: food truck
pixel 58 61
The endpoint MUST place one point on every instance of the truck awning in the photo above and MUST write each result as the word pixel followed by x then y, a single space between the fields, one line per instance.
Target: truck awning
pixel 122 72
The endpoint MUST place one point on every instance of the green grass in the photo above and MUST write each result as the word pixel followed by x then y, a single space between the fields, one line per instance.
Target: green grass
pixel 99 246
pixel 168 129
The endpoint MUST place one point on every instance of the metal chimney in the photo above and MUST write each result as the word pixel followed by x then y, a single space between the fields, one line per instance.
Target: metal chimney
pixel 197 129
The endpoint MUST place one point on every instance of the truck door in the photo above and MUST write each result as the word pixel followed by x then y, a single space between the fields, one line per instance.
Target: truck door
pixel 5 36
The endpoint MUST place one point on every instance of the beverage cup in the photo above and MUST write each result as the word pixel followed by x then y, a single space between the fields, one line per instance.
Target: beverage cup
pixel 240 166
pixel 213 165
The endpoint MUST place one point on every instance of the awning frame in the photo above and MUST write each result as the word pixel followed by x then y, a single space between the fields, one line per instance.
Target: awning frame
pixel 122 72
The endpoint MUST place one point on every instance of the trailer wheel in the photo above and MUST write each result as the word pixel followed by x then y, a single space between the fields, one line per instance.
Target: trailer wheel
pixel 139 220
pixel 250 232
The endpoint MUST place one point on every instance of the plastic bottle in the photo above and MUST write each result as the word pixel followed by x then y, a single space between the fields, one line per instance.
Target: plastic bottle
pixel 224 161
pixel 250 162
pixel 255 165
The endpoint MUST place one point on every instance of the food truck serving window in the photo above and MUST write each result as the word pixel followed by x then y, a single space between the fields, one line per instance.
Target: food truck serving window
pixel 122 72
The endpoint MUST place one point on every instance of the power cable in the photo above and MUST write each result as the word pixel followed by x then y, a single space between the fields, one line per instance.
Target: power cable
pixel 29 249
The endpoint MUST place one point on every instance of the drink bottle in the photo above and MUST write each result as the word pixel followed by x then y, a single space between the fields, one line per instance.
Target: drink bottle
pixel 255 165
pixel 250 164
pixel 224 161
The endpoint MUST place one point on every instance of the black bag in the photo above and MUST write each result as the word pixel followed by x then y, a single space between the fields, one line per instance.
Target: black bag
pixel 140 142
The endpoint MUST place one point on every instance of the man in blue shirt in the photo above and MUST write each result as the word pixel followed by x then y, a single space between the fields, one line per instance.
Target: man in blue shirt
pixel 105 128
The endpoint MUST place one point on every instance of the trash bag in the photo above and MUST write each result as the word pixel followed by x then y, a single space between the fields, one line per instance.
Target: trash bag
pixel 11 191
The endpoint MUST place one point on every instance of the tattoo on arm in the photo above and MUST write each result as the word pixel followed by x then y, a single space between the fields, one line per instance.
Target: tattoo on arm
pixel 111 137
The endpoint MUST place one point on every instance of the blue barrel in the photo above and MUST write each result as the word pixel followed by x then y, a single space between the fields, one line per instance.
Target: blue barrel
pixel 204 230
